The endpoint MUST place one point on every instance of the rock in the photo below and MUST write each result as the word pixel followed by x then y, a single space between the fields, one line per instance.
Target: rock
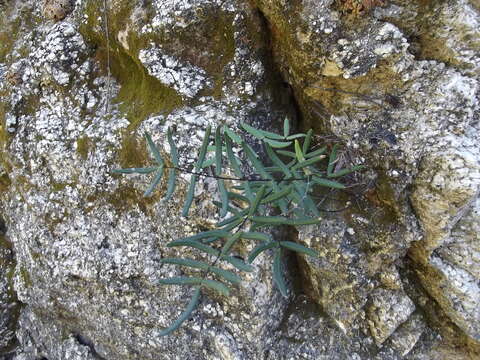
pixel 81 233
pixel 455 270
pixel 386 311
pixel 395 82
pixel 57 9
pixel 57 344
pixel 368 81
pixel 9 308
pixel 407 335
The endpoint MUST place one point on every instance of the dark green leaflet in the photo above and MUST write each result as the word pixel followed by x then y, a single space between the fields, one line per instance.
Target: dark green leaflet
pixel 296 136
pixel 183 280
pixel 189 197
pixel 218 152
pixel 298 152
pixel 231 219
pixel 208 162
pixel 233 159
pixel 327 183
pixel 207 234
pixel 345 171
pixel 261 134
pixel 217 286
pixel 277 195
pixel 277 144
pixel 259 249
pixel 185 315
pixel 173 147
pixel 135 170
pixel 253 131
pixel 236 168
pixel 153 149
pixel 276 160
pixel 233 224
pixel 306 142
pixel 171 184
pixel 237 196
pixel 232 240
pixel 225 274
pixel 257 164
pixel 233 210
pixel 287 153
pixel 235 138
pixel 186 262
pixel 332 159
pixel 252 235
pixel 306 163
pixel 198 167
pixel 286 127
pixel 298 248
pixel 203 149
pixel 239 264
pixel 318 152
pixel 223 197
pixel 270 220
pixel 194 244
pixel 156 180
pixel 278 273
pixel 256 201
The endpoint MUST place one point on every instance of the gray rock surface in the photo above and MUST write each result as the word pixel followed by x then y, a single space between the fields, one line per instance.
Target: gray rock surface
pixel 397 83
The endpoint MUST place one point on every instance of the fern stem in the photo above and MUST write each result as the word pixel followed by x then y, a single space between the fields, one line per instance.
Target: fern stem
pixel 246 178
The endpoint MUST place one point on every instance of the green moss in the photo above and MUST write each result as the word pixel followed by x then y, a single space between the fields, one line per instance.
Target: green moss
pixel 140 94
pixel 56 187
pixel 27 280
pixel 4 182
pixel 83 145
pixel 133 152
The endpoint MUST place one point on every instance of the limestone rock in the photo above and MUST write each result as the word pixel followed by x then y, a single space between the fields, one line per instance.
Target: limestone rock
pixel 387 310
pixel 57 9
pixel 396 82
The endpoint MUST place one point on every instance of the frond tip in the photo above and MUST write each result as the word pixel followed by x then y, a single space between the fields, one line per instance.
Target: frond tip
pixel 185 315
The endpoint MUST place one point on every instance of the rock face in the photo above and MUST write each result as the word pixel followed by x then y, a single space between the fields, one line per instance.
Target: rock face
pixel 397 82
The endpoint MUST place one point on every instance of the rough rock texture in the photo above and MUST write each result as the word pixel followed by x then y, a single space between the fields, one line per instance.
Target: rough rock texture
pixel 9 308
pixel 397 82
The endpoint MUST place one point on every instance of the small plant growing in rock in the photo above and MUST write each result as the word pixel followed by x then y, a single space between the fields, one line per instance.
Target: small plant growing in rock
pixel 258 195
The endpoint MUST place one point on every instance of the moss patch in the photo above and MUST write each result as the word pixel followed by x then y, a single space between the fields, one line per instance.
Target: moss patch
pixel 83 145
pixel 27 280
pixel 140 94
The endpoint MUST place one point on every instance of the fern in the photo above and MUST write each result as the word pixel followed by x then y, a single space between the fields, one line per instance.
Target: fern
pixel 273 194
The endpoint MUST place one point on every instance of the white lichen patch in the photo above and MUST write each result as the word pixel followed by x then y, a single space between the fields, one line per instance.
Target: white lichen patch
pixel 185 78
pixel 386 311
pixel 459 294
pixel 356 57
pixel 172 13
